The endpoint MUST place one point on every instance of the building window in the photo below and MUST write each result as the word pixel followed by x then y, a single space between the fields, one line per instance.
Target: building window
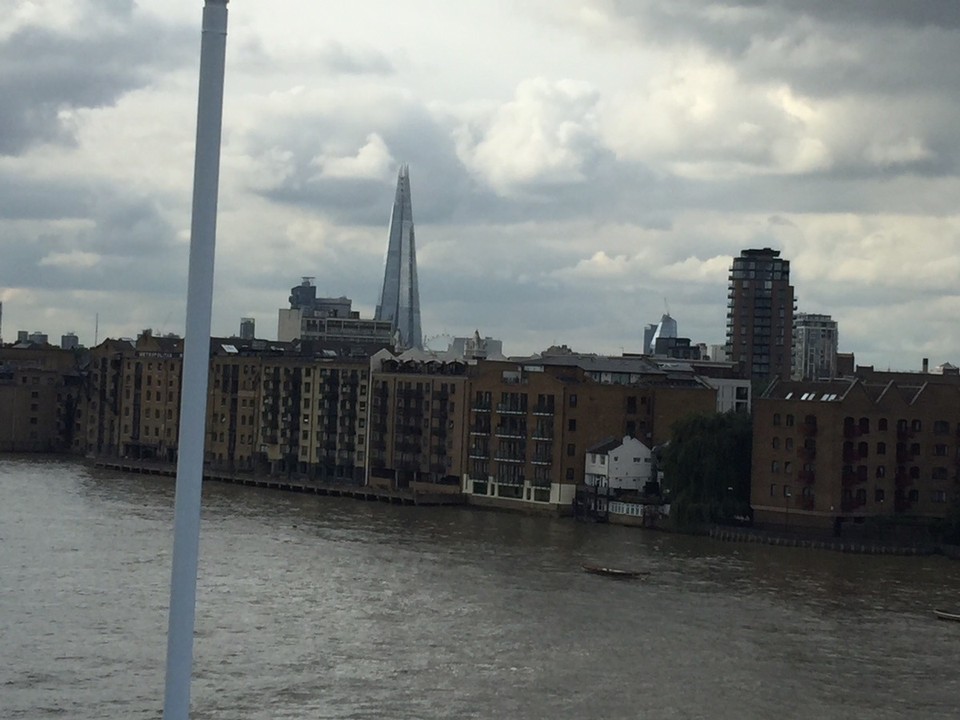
pixel 571 449
pixel 776 418
pixel 572 424
pixel 882 424
pixel 789 420
pixel 776 443
pixel 570 473
pixel 573 400
pixel 881 448
pixel 775 466
pixel 878 495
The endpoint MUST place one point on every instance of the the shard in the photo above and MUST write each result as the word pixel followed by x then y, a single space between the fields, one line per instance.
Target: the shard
pixel 400 296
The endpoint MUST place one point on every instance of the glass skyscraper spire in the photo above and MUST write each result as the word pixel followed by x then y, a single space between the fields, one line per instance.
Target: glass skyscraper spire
pixel 400 296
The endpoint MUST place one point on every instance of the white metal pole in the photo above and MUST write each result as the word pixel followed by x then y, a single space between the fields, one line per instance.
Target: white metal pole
pixel 196 358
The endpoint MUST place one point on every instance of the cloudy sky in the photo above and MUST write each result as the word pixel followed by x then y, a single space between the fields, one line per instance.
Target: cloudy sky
pixel 577 166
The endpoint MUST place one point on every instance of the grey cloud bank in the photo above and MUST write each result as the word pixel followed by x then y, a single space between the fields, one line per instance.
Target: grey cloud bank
pixel 596 159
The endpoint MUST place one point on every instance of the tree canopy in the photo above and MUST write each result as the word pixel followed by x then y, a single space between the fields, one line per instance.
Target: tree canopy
pixel 706 466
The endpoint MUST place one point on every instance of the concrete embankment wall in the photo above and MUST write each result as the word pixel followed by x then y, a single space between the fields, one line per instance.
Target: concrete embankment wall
pixel 835 544
pixel 300 485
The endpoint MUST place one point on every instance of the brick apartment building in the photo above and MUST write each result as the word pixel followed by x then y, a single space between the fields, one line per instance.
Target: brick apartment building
pixel 416 435
pixel 828 455
pixel 760 307
pixel 39 389
pixel 530 423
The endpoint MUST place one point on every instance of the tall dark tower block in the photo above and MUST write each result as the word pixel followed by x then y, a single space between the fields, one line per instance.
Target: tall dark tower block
pixel 400 296
pixel 760 314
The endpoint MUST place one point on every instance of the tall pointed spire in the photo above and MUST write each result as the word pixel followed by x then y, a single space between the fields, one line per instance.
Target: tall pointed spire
pixel 400 296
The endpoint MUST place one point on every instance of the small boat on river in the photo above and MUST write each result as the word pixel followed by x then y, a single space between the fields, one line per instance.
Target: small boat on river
pixel 614 572
pixel 943 615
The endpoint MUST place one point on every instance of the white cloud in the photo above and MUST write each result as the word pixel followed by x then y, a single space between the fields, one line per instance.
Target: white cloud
pixel 373 161
pixel 545 135
pixel 73 259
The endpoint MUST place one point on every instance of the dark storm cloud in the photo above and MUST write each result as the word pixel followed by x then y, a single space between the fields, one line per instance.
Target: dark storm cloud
pixel 878 47
pixel 444 191
pixel 123 243
pixel 26 199
pixel 45 72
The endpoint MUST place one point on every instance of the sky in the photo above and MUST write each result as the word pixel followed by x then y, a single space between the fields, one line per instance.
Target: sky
pixel 578 167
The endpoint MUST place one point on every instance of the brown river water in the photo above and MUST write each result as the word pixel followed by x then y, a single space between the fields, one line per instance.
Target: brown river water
pixel 312 607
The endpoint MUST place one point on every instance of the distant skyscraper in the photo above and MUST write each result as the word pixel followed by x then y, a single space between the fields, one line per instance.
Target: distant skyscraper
pixel 814 347
pixel 400 296
pixel 248 328
pixel 666 328
pixel 760 315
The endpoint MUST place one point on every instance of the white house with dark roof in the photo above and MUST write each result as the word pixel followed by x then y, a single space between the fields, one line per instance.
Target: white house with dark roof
pixel 618 465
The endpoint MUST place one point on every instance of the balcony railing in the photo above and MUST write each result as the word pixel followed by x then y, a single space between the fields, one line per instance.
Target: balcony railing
pixel 505 409
pixel 850 504
pixel 543 410
pixel 902 480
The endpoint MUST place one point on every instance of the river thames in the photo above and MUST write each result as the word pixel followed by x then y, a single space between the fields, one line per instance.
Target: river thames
pixel 312 607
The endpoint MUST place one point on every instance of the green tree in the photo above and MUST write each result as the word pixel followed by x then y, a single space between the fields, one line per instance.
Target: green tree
pixel 707 468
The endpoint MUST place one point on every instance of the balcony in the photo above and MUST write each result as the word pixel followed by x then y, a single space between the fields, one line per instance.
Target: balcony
pixel 850 479
pixel 541 460
pixel 901 504
pixel 509 458
pixel 851 504
pixel 507 432
pixel 805 453
pixel 543 410
pixel 510 409
pixel 480 407
pixel 902 480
